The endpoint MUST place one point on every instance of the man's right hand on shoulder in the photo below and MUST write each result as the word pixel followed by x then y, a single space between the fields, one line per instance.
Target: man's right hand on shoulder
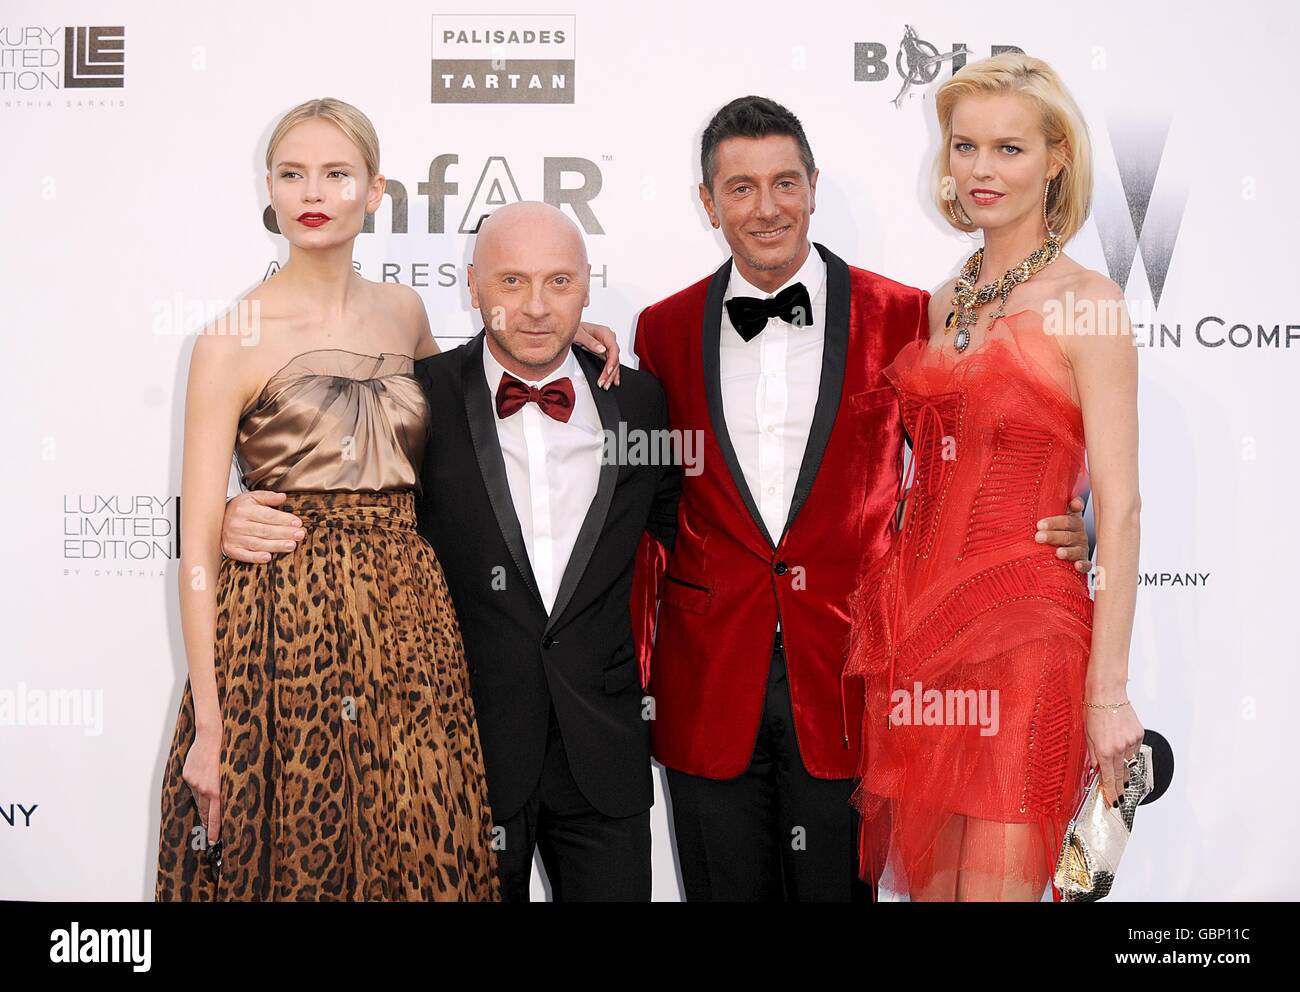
pixel 253 530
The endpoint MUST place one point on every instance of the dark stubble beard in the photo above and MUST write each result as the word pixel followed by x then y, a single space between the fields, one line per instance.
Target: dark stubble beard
pixel 504 345
pixel 758 266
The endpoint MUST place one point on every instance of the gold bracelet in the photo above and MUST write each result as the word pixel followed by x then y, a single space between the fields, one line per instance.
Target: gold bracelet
pixel 1113 707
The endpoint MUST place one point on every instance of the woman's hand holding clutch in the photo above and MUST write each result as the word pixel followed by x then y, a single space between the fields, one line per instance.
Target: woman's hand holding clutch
pixel 1114 736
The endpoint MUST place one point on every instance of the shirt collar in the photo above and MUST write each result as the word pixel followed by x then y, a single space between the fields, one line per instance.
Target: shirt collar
pixel 812 274
pixel 494 370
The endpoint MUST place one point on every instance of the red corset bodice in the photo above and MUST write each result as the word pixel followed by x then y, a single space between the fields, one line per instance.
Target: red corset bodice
pixel 997 444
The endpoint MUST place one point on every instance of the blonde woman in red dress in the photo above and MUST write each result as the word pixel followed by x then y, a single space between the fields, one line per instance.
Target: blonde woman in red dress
pixel 993 680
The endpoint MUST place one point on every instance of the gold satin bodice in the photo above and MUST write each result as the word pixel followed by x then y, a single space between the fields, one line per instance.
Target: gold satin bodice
pixel 332 420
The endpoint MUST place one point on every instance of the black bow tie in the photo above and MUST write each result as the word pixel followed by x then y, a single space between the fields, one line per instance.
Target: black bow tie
pixel 749 314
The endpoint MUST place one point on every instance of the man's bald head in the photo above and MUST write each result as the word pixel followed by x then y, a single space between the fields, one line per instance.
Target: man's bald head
pixel 529 280
pixel 525 222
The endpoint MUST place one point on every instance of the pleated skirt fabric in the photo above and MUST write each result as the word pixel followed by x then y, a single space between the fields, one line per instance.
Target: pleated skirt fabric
pixel 350 760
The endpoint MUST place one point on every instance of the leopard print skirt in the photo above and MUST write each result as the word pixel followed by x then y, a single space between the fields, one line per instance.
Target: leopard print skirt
pixel 350 759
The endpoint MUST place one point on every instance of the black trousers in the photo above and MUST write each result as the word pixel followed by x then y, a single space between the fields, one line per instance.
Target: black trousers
pixel 588 856
pixel 773 833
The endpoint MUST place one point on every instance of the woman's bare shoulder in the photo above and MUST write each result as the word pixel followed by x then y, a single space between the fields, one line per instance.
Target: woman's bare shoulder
pixel 1089 284
pixel 1093 318
pixel 244 346
pixel 226 353
pixel 410 318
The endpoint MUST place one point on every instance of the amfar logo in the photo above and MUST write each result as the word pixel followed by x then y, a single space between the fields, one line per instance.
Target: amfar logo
pixel 917 62
pixel 91 57
pixel 494 187
pixel 1142 219
pixel 502 58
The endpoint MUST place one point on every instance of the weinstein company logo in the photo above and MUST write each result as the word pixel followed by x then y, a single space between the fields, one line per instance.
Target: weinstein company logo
pixel 503 58
pixel 1174 580
pixel 109 528
pixel 36 60
pixel 1139 213
pixel 1141 219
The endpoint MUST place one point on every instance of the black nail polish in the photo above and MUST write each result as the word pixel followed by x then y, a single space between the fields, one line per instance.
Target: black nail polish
pixel 1115 804
pixel 1126 784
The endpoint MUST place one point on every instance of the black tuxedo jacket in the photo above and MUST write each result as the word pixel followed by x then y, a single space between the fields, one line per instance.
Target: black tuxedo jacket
pixel 581 658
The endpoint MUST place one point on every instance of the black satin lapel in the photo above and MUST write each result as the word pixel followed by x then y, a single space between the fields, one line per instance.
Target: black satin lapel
pixel 491 464
pixel 834 355
pixel 593 525
pixel 711 336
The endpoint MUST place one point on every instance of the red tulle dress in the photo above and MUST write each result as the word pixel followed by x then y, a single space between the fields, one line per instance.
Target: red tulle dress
pixel 971 639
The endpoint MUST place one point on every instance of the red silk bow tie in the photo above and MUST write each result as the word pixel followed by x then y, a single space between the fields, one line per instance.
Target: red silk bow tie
pixel 555 398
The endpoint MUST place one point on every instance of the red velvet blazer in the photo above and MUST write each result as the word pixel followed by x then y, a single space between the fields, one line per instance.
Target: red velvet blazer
pixel 705 613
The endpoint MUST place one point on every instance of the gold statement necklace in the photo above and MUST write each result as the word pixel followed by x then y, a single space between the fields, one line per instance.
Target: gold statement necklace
pixel 966 299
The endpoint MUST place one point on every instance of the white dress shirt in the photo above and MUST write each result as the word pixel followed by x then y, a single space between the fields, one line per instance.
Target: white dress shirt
pixel 769 392
pixel 552 468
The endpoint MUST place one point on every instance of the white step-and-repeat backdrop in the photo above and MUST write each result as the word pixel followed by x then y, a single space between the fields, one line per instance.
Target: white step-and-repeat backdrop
pixel 133 209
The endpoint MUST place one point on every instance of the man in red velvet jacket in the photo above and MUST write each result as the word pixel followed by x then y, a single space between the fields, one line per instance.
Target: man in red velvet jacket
pixel 776 360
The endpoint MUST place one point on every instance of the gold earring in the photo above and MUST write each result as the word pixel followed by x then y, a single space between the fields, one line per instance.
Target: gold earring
pixel 948 192
pixel 1047 186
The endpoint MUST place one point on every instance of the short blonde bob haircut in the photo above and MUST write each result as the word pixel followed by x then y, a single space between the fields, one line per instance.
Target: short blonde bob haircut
pixel 355 126
pixel 1069 198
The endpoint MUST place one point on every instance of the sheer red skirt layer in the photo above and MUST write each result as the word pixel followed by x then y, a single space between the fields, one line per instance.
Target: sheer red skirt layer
pixel 970 640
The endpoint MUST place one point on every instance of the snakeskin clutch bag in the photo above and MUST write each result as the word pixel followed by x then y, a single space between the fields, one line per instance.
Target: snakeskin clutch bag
pixel 1095 838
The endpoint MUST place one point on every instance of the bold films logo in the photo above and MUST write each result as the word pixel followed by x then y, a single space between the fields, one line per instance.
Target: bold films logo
pixel 36 60
pixel 502 58
pixel 915 62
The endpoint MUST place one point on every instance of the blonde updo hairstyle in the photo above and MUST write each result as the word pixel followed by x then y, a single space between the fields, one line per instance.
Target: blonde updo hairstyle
pixel 1069 198
pixel 352 122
